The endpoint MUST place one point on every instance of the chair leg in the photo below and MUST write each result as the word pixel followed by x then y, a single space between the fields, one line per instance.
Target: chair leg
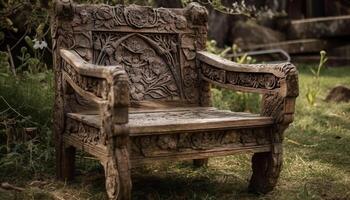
pixel 118 176
pixel 59 152
pixel 200 162
pixel 266 170
pixel 68 163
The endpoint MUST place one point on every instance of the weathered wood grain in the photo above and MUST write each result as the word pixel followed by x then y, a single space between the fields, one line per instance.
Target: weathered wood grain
pixel 150 123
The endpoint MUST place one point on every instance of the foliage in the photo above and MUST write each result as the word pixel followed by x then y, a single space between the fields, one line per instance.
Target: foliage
pixel 4 64
pixel 237 7
pixel 24 25
pixel 314 88
pixel 25 121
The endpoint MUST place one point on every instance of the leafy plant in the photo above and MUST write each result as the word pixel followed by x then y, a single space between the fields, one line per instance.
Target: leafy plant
pixel 25 121
pixel 4 65
pixel 314 88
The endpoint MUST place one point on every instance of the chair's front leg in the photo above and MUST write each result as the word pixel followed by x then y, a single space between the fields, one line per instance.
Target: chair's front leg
pixel 266 170
pixel 115 127
pixel 267 165
pixel 117 174
pixel 279 84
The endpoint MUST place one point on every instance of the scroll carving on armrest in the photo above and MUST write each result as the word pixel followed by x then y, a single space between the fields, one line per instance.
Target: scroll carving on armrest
pixel 258 78
pixel 277 82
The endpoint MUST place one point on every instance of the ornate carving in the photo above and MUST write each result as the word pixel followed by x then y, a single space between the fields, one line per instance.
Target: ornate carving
pixel 253 80
pixel 97 86
pixel 243 79
pixel 156 145
pixel 150 60
pixel 213 73
pixel 86 133
pixel 73 31
pixel 117 173
pixel 112 178
pixel 107 17
pixel 188 63
pixel 197 14
pixel 157 50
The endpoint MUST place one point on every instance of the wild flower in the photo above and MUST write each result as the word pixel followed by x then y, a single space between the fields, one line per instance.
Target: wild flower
pixel 39 44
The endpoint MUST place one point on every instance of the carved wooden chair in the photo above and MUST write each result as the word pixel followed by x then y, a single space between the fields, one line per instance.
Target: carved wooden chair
pixel 133 86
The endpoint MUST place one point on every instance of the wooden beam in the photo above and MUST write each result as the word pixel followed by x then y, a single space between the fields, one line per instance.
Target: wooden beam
pixel 293 46
pixel 322 27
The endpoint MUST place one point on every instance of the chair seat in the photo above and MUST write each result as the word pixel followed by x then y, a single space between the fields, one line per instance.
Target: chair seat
pixel 155 121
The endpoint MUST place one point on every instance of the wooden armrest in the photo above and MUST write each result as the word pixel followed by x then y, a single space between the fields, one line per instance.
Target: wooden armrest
pixel 113 102
pixel 258 78
pixel 278 82
pixel 107 86
pixel 87 69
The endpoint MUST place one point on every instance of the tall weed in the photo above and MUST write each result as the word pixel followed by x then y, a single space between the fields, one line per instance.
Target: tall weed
pixel 25 122
pixel 314 88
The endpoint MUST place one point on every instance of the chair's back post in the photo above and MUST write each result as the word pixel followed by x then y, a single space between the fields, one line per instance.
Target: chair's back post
pixel 61 9
pixel 198 16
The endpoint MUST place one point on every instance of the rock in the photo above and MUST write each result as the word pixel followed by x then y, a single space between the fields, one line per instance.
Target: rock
pixel 247 33
pixel 339 94
pixel 220 25
pixel 228 29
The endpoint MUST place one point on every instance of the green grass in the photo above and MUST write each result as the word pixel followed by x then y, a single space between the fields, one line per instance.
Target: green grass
pixel 316 162
pixel 27 100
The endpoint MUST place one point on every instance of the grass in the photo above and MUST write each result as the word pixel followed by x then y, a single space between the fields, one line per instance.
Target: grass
pixel 316 162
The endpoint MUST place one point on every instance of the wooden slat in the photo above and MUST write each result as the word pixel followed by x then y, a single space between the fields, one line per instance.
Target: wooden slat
pixel 202 154
pixel 185 119
pixel 222 63
pixel 321 27
pixel 101 152
pixel 293 46
pixel 85 68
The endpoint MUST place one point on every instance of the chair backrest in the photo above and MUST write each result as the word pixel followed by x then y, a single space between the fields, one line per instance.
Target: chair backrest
pixel 156 46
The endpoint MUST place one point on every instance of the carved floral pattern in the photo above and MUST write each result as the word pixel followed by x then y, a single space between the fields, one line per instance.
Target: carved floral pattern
pixel 75 28
pixel 138 17
pixel 243 79
pixel 189 67
pixel 97 86
pixel 150 60
pixel 86 133
pixel 213 73
pixel 153 145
